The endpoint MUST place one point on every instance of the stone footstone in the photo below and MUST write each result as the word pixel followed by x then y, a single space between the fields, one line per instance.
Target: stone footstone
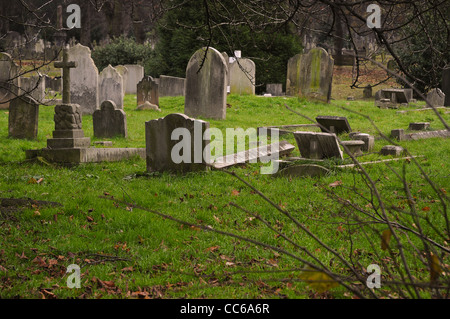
pixel 354 147
pixel 419 126
pixel 109 121
pixel 369 140
pixel 391 150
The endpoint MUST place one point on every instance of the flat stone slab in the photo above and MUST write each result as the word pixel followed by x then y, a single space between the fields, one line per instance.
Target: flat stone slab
pixel 400 134
pixel 334 124
pixel 369 140
pixel 354 146
pixel 305 170
pixel 391 150
pixel 85 155
pixel 419 126
pixel 282 148
pixel 318 145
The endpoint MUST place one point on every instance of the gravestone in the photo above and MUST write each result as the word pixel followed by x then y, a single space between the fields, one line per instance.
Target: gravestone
pixel 305 170
pixel 354 147
pixel 275 89
pixel 206 85
pixel 334 124
pixel 33 86
pixel 436 97
pixel 123 71
pixel 446 85
pixel 171 86
pixel 391 150
pixel 242 76
pixel 147 91
pixel 367 92
pixel 177 153
pixel 318 145
pixel 135 74
pixel 109 121
pixel 369 140
pixel 310 75
pixel 83 79
pixel 23 118
pixel 53 84
pixel 9 80
pixel 110 86
pixel 419 126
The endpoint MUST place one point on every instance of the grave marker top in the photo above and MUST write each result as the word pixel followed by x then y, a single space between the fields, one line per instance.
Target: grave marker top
pixel 334 124
pixel 66 65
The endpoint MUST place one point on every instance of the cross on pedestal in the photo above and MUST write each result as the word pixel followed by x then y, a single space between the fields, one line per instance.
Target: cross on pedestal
pixel 66 65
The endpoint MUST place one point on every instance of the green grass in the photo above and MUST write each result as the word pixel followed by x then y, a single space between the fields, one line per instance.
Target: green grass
pixel 172 261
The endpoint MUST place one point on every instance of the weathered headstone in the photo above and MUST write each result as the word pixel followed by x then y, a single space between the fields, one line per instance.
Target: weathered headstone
pixel 33 86
pixel 110 86
pixel 318 145
pixel 354 147
pixel 135 74
pixel 436 97
pixel 446 85
pixel 334 124
pixel 147 91
pixel 367 92
pixel 400 134
pixel 23 118
pixel 206 85
pixel 391 150
pixel 83 79
pixel 109 121
pixel 310 75
pixel 419 126
pixel 171 86
pixel 176 143
pixel 123 71
pixel 275 89
pixel 9 80
pixel 242 76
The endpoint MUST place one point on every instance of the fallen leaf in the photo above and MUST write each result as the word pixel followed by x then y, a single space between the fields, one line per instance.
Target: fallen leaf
pixel 426 209
pixel 318 280
pixel 435 267
pixel 127 269
pixel 234 192
pixel 385 239
pixel 212 249
pixel 89 219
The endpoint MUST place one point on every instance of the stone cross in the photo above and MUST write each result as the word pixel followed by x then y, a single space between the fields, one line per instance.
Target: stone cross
pixel 66 65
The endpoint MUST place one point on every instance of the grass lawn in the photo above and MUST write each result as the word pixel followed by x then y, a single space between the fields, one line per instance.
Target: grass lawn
pixel 126 252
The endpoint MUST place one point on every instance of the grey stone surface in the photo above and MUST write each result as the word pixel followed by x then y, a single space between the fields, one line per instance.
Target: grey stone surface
pixel 163 150
pixel 9 80
pixel 206 85
pixel 436 97
pixel 318 145
pixel 282 148
pixel 147 91
pixel 109 121
pixel 171 86
pixel 148 106
pixel 242 76
pixel 123 71
pixel 135 74
pixel 391 150
pixel 33 86
pixel 23 118
pixel 110 86
pixel 83 79
pixel 400 134
pixel 310 75
pixel 419 126
pixel 354 147
pixel 276 89
pixel 334 124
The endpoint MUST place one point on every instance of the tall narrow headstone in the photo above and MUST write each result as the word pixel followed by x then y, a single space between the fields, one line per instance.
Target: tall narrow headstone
pixel 23 118
pixel 33 86
pixel 109 121
pixel 123 71
pixel 436 97
pixel 242 76
pixel 135 74
pixel 206 85
pixel 177 143
pixel 147 91
pixel 83 79
pixel 9 80
pixel 110 86
pixel 293 75
pixel 446 85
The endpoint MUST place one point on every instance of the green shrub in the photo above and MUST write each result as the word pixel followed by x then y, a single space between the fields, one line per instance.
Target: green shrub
pixel 120 51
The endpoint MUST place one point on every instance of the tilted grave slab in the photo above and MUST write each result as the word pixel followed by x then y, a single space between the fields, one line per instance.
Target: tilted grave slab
pixel 318 145
pixel 334 124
